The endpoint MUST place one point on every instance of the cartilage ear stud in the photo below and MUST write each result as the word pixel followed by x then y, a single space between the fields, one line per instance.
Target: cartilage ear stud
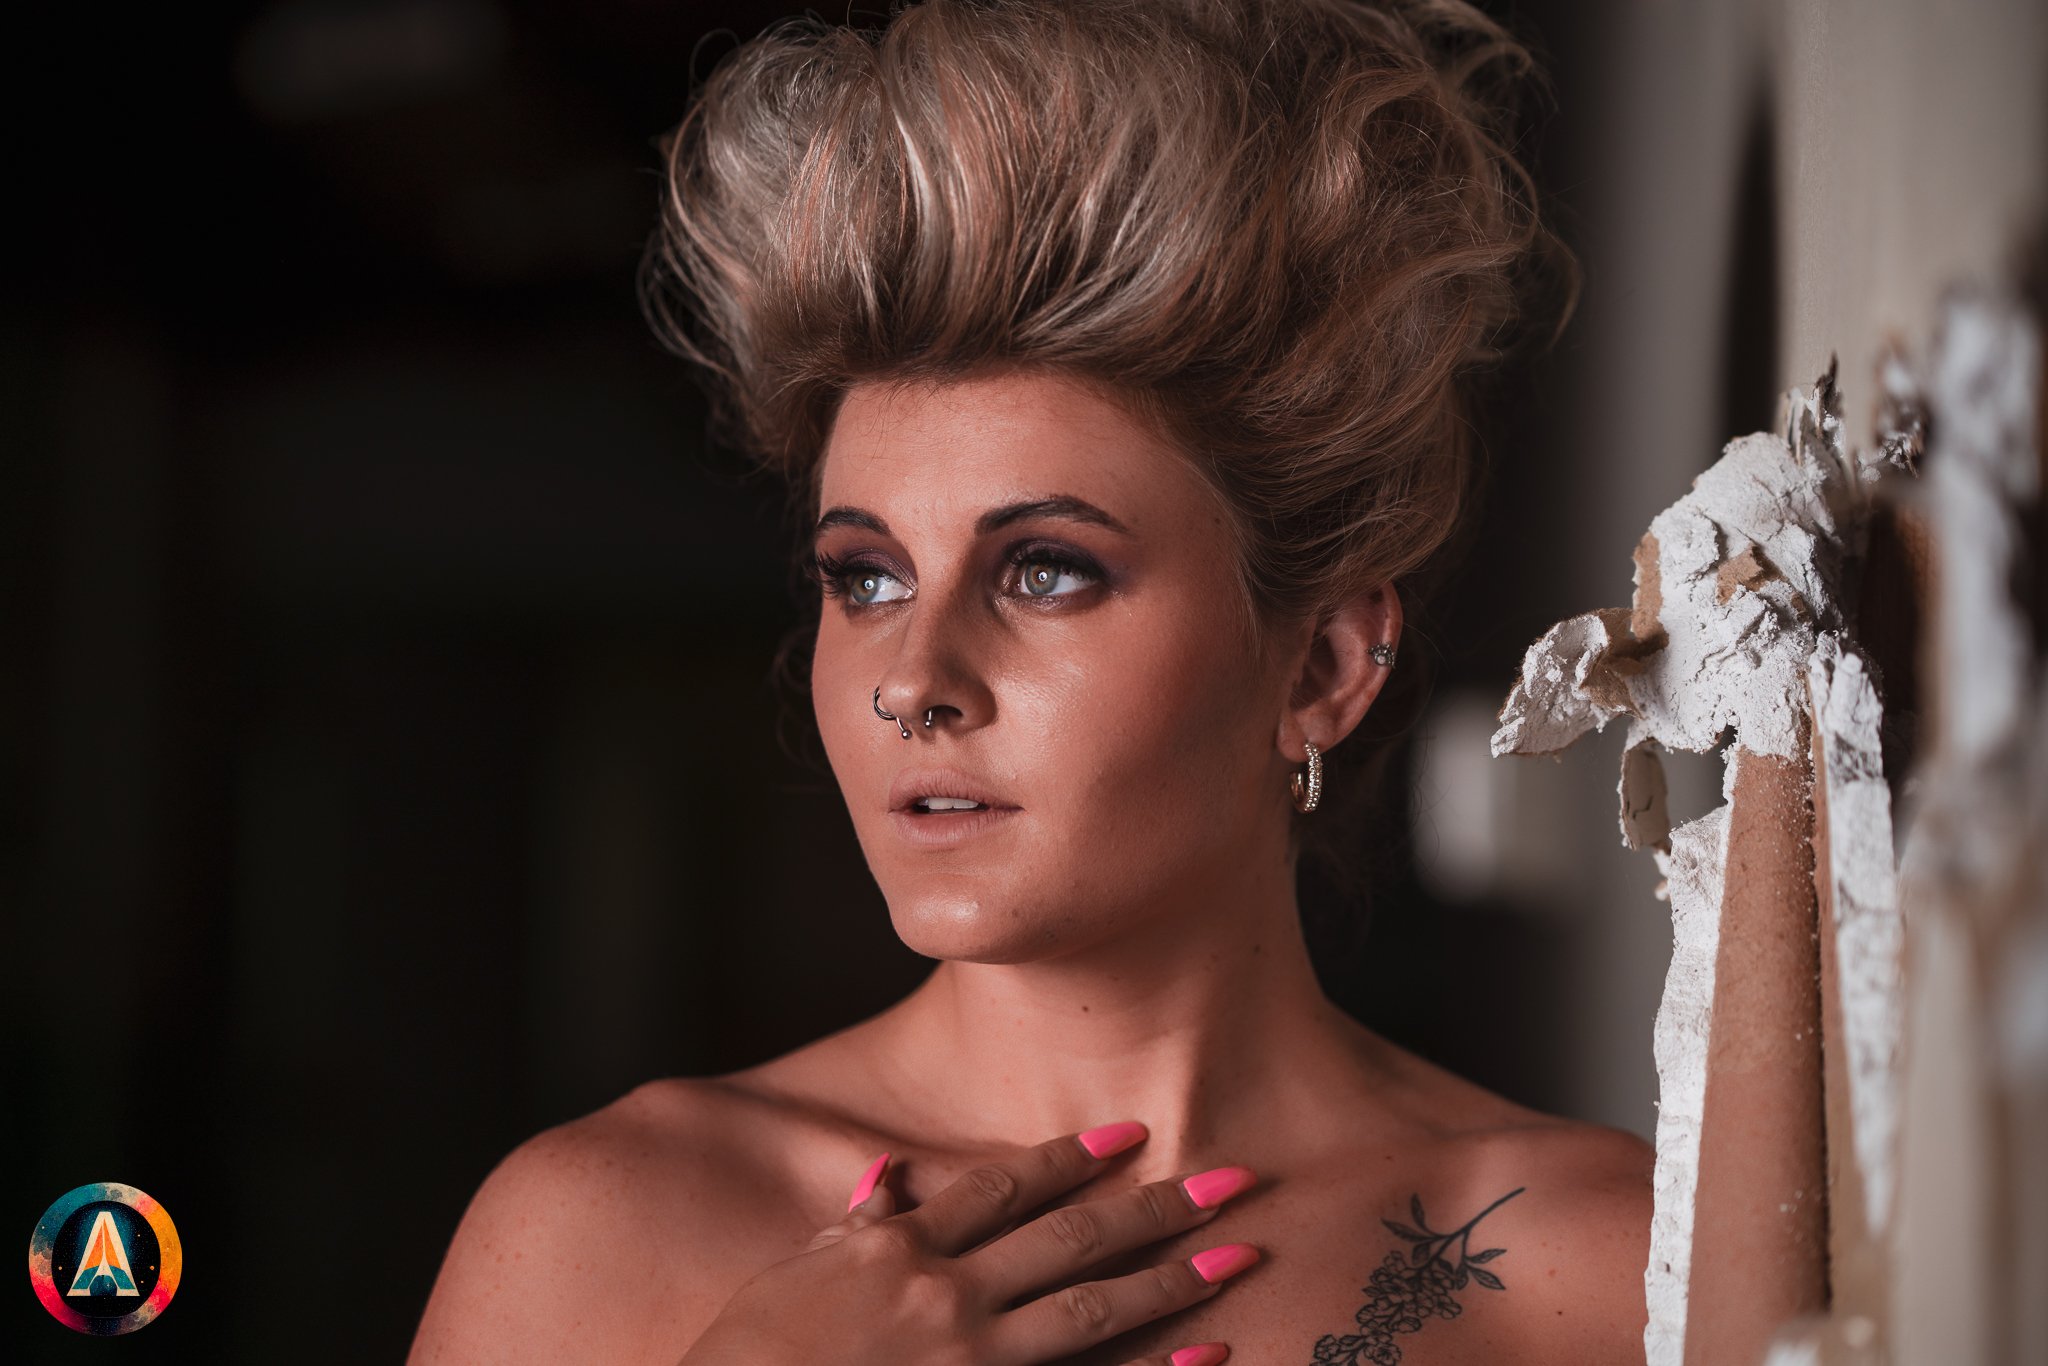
pixel 1382 653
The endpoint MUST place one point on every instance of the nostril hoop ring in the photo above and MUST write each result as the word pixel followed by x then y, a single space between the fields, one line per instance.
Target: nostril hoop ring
pixel 888 717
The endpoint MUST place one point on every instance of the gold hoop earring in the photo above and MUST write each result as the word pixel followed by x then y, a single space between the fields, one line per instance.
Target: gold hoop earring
pixel 1307 795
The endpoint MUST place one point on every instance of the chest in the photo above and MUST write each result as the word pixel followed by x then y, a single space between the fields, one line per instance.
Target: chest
pixel 1326 1292
pixel 1335 1286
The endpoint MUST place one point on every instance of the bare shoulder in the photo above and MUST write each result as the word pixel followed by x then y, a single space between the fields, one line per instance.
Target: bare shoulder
pixel 1564 1227
pixel 1534 1228
pixel 532 1272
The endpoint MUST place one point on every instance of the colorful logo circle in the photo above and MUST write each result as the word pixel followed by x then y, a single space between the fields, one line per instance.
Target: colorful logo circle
pixel 105 1259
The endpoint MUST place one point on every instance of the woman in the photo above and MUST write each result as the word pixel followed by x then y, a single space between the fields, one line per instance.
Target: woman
pixel 1114 350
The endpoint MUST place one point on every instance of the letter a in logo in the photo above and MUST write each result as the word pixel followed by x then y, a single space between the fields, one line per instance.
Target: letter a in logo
pixel 105 1259
pixel 105 1255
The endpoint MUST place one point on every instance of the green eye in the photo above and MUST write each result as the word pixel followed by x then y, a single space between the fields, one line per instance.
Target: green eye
pixel 1038 572
pixel 1042 576
pixel 865 587
pixel 860 583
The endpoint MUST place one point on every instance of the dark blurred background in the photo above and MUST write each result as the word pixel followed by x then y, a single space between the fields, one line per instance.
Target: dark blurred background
pixel 390 765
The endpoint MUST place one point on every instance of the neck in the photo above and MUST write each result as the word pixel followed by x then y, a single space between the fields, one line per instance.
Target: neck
pixel 1204 1022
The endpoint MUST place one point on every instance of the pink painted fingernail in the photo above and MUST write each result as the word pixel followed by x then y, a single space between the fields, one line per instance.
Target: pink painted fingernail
pixel 1221 1263
pixel 1211 1188
pixel 1208 1354
pixel 1111 1139
pixel 867 1183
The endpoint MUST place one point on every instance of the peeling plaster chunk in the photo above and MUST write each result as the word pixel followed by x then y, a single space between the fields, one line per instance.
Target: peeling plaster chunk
pixel 1869 933
pixel 1557 699
pixel 1733 584
pixel 1694 871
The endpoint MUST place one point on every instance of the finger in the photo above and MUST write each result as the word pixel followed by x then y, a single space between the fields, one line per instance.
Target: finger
pixel 880 1204
pixel 873 1210
pixel 872 1202
pixel 1080 1316
pixel 1071 1238
pixel 1202 1354
pixel 986 1199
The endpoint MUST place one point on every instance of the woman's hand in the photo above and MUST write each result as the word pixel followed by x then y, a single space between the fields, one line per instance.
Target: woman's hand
pixel 932 1286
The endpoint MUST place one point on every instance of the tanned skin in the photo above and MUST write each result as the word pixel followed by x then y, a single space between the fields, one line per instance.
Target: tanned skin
pixel 1023 556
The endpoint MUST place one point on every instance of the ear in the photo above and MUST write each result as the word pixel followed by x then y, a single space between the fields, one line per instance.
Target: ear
pixel 1336 678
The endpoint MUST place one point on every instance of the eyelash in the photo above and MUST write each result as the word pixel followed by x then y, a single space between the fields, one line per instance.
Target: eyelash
pixel 831 572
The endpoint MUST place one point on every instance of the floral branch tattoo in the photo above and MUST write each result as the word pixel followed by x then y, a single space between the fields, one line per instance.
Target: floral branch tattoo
pixel 1405 1291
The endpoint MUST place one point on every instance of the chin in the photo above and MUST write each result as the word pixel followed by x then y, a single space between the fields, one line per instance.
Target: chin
pixel 976 924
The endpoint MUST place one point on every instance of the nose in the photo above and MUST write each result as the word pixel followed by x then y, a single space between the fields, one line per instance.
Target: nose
pixel 936 681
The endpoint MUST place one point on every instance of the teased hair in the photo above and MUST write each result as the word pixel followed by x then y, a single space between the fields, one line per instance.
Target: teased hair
pixel 1285 230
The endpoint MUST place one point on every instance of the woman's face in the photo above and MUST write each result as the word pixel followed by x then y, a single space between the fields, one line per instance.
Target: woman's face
pixel 1029 560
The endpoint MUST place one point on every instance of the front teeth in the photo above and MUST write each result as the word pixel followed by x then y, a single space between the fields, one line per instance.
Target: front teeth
pixel 947 804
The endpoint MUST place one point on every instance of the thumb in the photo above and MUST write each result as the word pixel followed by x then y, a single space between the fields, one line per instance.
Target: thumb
pixel 872 1202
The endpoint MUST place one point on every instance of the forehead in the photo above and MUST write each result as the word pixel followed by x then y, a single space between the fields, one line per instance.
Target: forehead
pixel 963 445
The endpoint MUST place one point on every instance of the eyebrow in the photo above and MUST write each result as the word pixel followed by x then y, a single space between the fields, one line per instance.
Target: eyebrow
pixel 1061 506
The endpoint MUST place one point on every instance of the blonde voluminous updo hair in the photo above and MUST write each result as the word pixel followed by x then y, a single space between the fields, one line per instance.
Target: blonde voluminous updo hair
pixel 1285 231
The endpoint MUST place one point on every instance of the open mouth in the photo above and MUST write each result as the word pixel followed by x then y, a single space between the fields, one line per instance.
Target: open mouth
pixel 939 806
pixel 949 822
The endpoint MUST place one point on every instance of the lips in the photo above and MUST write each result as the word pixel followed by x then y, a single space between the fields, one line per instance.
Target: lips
pixel 947 788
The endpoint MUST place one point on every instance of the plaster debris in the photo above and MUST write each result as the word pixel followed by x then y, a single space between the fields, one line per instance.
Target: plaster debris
pixel 1572 682
pixel 1901 423
pixel 1738 600
pixel 1987 362
pixel 1863 887
pixel 1734 584
pixel 1694 873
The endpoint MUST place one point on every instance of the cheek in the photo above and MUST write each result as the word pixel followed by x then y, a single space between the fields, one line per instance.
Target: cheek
pixel 841 704
pixel 1159 730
